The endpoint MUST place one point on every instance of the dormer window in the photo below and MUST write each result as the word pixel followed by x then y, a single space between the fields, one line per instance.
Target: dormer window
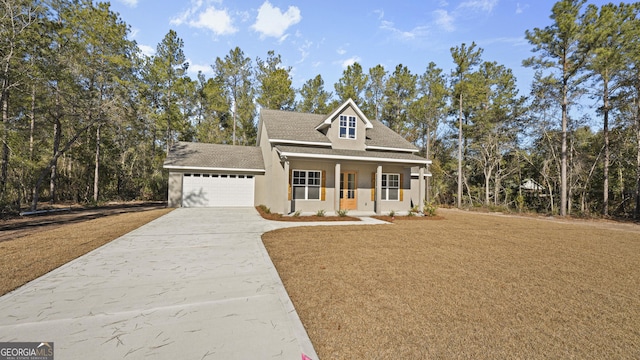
pixel 347 127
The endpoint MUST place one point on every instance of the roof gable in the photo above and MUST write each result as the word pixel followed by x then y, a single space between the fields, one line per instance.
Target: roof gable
pixel 349 103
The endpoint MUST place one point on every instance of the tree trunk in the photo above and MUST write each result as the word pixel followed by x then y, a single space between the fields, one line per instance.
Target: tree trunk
pixel 235 112
pixel 487 183
pixel 96 173
pixel 4 167
pixel 460 155
pixel 605 134
pixel 636 213
pixel 563 150
pixel 32 125
pixel 168 113
pixel 54 165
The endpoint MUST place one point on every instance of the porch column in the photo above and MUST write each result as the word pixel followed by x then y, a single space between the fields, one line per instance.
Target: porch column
pixel 379 190
pixel 336 187
pixel 421 188
pixel 287 202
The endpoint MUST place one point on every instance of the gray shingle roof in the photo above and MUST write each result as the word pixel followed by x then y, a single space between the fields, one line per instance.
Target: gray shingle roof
pixel 214 156
pixel 382 156
pixel 382 136
pixel 294 126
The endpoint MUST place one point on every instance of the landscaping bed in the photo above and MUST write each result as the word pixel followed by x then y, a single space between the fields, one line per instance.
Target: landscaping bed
pixel 268 215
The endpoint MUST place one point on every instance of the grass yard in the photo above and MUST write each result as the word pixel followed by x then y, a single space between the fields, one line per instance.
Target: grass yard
pixel 35 253
pixel 471 286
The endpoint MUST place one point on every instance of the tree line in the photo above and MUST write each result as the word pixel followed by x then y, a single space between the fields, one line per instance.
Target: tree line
pixel 86 117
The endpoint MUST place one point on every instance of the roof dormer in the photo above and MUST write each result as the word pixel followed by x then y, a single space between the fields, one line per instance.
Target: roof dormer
pixel 346 127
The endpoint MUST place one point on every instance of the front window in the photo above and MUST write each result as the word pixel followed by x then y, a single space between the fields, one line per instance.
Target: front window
pixel 347 127
pixel 306 184
pixel 391 187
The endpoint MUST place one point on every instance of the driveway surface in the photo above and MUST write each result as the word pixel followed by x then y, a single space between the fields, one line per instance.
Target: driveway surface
pixel 193 284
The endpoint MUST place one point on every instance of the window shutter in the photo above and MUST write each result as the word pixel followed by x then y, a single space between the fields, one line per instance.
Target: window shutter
pixel 323 182
pixel 373 186
pixel 401 188
pixel 290 181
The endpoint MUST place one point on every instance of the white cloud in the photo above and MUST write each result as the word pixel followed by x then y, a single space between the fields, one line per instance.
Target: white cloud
pixel 380 13
pixel 521 8
pixel 184 17
pixel 342 49
pixel 147 50
pixel 130 3
pixel 350 61
pixel 271 21
pixel 404 35
pixel 484 5
pixel 215 20
pixel 444 20
pixel 304 50
pixel 195 68
pixel 210 18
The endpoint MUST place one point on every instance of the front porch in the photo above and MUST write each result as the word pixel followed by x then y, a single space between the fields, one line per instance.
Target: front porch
pixel 361 188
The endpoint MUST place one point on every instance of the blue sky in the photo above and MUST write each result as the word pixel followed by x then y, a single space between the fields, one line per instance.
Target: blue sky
pixel 323 37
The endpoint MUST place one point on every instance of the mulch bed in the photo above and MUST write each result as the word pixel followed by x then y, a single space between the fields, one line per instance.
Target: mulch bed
pixel 388 218
pixel 280 217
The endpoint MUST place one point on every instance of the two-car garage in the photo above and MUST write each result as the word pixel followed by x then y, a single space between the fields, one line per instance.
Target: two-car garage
pixel 213 175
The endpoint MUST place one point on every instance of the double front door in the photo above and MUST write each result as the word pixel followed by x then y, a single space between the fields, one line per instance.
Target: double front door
pixel 348 187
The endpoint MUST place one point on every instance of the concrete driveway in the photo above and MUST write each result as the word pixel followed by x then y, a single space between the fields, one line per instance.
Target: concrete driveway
pixel 193 284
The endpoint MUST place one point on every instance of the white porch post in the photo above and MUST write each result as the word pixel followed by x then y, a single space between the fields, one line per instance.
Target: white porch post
pixel 336 195
pixel 379 190
pixel 287 202
pixel 421 188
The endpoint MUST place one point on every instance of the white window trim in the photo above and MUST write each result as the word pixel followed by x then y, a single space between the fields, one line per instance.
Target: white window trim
pixel 306 184
pixel 387 187
pixel 347 127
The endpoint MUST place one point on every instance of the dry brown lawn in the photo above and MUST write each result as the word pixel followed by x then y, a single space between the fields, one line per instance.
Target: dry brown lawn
pixel 470 286
pixel 33 253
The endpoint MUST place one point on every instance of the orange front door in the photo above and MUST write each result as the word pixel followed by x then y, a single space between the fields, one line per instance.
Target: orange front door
pixel 348 200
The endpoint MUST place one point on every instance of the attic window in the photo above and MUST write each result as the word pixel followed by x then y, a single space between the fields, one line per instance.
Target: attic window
pixel 347 127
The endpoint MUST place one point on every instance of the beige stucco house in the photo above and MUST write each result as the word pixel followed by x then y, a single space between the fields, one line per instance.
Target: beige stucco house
pixel 306 163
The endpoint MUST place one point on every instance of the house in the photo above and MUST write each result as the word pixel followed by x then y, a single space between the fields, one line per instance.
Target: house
pixel 306 163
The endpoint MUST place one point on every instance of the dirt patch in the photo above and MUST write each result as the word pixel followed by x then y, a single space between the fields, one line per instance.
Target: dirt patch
pixel 33 254
pixel 63 215
pixel 473 286
pixel 279 217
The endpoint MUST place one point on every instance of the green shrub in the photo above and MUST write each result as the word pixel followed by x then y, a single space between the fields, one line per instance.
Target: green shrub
pixel 297 213
pixel 265 209
pixel 342 212
pixel 392 213
pixel 429 209
pixel 320 213
pixel 413 211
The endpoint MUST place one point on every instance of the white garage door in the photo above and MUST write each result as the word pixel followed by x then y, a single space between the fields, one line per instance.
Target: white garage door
pixel 216 190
